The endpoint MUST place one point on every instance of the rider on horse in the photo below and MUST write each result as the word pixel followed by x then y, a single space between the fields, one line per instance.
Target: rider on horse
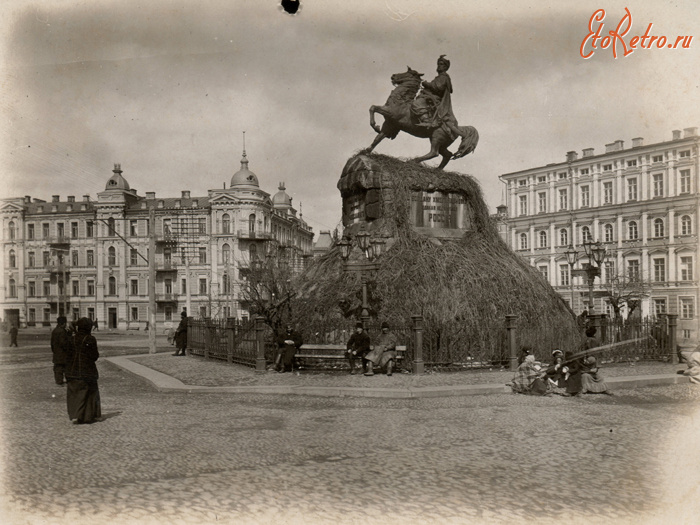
pixel 433 105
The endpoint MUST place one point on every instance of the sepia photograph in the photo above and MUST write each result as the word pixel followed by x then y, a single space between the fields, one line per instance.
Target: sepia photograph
pixel 427 262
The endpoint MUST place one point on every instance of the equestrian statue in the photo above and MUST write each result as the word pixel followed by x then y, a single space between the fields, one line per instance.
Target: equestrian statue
pixel 427 115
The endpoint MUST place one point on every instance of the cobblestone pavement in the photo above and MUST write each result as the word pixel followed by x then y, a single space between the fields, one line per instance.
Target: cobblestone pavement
pixel 221 458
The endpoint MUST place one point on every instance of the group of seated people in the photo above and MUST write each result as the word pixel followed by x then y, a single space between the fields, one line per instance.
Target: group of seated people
pixel 569 374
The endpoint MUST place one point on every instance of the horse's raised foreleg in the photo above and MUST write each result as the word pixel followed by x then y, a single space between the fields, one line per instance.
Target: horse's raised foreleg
pixel 372 111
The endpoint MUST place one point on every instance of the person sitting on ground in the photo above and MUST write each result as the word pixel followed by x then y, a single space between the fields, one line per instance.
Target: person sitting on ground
pixel 591 381
pixel 572 374
pixel 528 378
pixel 358 346
pixel 555 372
pixel 524 352
pixel 692 359
pixel 288 343
pixel 384 353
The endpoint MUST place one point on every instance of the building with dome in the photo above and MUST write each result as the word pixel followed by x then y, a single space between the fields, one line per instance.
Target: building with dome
pixel 88 258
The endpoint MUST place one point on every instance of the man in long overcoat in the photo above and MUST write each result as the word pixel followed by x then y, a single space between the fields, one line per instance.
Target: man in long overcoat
pixel 61 342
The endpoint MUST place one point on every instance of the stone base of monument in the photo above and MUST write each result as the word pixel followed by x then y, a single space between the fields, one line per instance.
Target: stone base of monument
pixel 443 259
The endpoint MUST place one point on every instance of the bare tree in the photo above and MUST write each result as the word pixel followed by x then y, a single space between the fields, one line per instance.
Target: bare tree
pixel 625 289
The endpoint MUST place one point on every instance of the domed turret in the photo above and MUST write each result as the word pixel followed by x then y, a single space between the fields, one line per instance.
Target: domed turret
pixel 116 181
pixel 244 177
pixel 281 198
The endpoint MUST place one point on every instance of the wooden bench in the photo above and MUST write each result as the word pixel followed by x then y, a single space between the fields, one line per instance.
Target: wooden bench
pixel 335 352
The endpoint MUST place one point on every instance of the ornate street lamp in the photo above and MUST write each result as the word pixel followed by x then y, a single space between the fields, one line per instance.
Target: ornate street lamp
pixel 571 258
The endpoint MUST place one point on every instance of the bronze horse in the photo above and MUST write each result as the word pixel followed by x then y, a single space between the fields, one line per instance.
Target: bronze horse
pixel 397 117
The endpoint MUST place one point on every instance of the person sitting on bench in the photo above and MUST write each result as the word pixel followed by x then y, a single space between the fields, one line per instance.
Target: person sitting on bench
pixel 358 346
pixel 384 352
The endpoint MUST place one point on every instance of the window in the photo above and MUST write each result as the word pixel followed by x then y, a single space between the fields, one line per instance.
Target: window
pixel 607 193
pixel 523 241
pixel 31 314
pixel 111 231
pixel 12 288
pixel 609 233
pixel 167 229
pixel 74 258
pixel 522 182
pixel 586 234
pixel 607 167
pixel 202 255
pixel 633 269
pixel 657 158
pixel 202 225
pixel 31 288
pixel 563 237
pixel 632 189
pixel 133 257
pixel 168 286
pixel 134 287
pixel 111 256
pixel 632 231
pixel 659 306
pixel 563 199
pixel 75 287
pixel 46 288
pixel 90 287
pixel 686 268
pixel 631 163
pixel 658 184
pixel 544 271
pixel 564 275
pixel 30 231
pixel 542 202
pixel 685 181
pixel 168 313
pixel 543 239
pixel 251 223
pixel 74 230
pixel 134 313
pixel 226 223
pixel 658 227
pixel 563 175
pixel 31 259
pixel 225 254
pixel 11 230
pixel 183 286
pixel 659 270
pixel 90 258
pixel 609 271
pixel 542 178
pixel 687 308
pixel 202 287
pixel 584 171
pixel 13 259
pixel 202 311
pixel 60 230
pixel 686 225
pixel 112 286
pixel 133 228
pixel 585 196
pixel 685 154
pixel 226 283
pixel 523 205
pixel 45 230
pixel 89 229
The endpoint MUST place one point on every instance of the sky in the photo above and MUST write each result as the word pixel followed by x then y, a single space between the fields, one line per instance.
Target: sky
pixel 167 88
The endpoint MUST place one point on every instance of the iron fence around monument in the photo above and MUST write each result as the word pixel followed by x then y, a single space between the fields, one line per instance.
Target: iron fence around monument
pixel 229 340
pixel 637 338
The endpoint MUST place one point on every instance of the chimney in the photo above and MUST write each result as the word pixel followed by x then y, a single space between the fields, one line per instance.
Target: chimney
pixel 614 146
pixel 571 156
pixel 588 152
pixel 676 134
pixel 620 145
pixel 185 194
pixel 27 199
pixel 638 142
pixel 177 203
pixel 71 198
pixel 57 198
pixel 150 195
pixel 689 132
pixel 86 198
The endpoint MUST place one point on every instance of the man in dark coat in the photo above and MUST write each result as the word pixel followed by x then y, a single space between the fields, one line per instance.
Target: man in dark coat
pixel 83 395
pixel 61 343
pixel 288 344
pixel 358 346
pixel 180 339
pixel 13 334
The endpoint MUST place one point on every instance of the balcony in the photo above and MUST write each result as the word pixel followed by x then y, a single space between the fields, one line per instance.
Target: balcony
pixel 166 267
pixel 252 235
pixel 57 268
pixel 58 299
pixel 167 238
pixel 166 298
pixel 58 240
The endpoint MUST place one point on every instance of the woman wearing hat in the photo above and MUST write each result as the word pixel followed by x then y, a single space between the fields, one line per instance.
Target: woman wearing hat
pixel 180 338
pixel 384 352
pixel 81 373
pixel 555 372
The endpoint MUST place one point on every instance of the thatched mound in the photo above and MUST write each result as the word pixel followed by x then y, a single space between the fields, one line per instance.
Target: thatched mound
pixel 463 288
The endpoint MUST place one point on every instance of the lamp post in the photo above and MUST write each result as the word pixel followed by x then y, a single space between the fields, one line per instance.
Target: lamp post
pixel 372 248
pixel 571 257
pixel 596 255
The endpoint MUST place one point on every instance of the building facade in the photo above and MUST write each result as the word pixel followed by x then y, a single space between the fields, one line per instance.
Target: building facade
pixel 89 258
pixel 641 203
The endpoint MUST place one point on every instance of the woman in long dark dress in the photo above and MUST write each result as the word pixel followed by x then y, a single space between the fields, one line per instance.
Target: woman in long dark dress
pixel 81 373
